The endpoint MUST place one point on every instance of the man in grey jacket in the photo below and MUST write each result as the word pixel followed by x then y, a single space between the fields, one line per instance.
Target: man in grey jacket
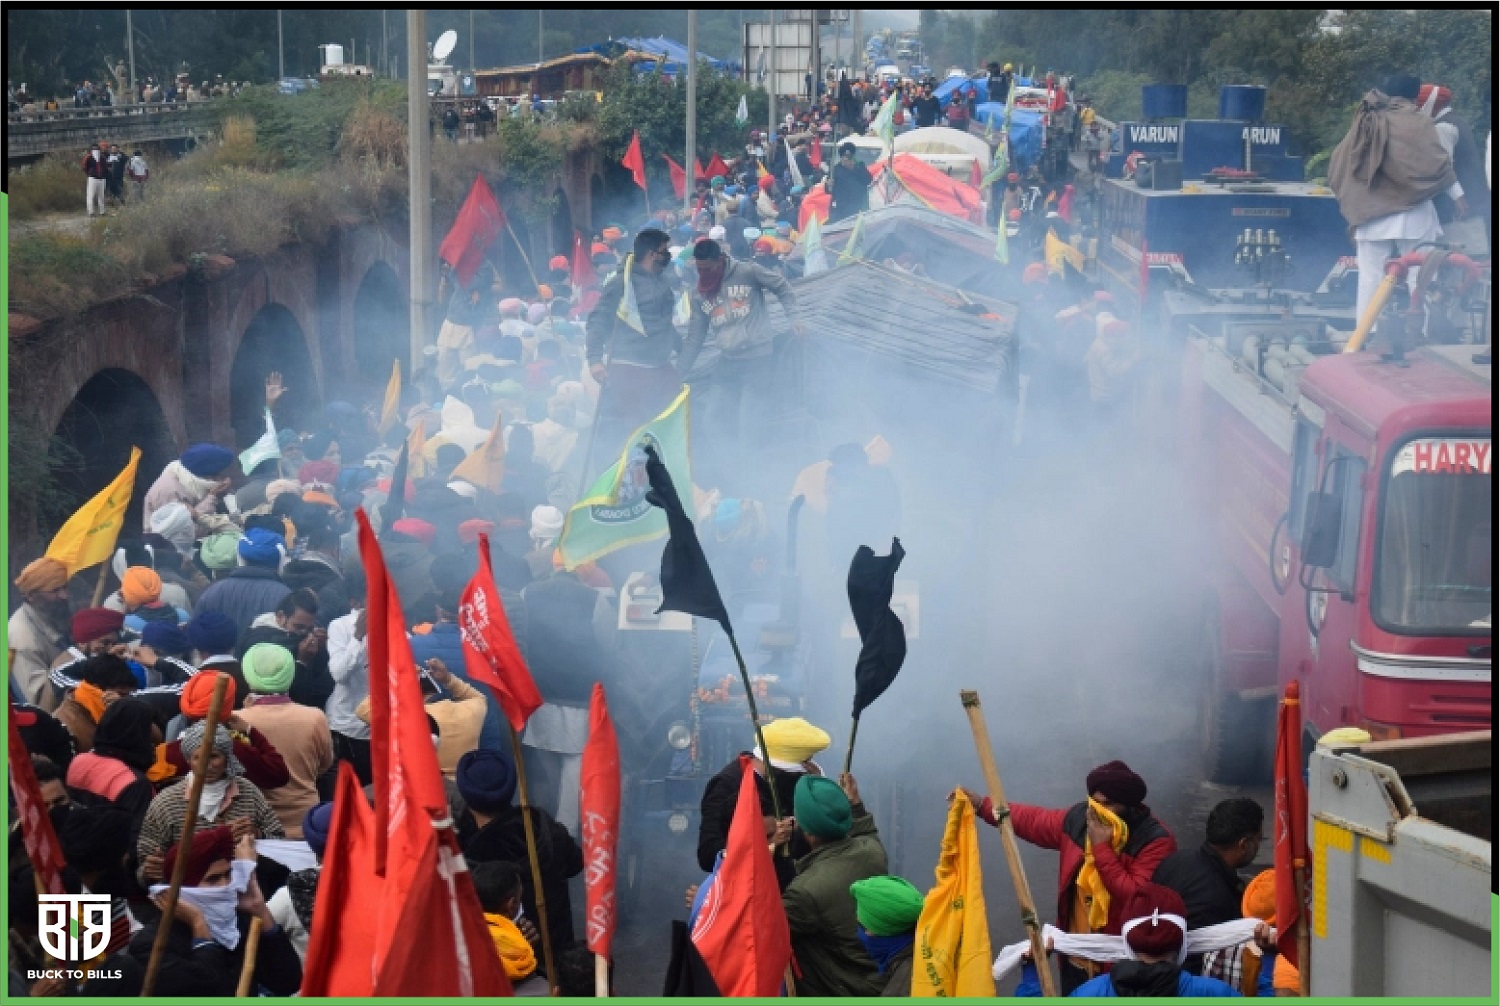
pixel 729 306
pixel 637 381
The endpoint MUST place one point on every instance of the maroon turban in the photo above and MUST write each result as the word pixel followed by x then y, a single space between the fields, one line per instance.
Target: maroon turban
pixel 1117 783
pixel 326 472
pixel 96 623
pixel 1147 931
pixel 208 848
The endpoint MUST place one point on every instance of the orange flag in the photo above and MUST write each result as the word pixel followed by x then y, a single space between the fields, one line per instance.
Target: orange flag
pixel 485 465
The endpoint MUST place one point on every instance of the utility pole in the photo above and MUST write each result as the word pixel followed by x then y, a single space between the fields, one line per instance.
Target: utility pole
pixel 280 51
pixel 771 81
pixel 857 57
pixel 471 41
pixel 540 48
pixel 419 180
pixel 817 61
pixel 130 44
pixel 692 110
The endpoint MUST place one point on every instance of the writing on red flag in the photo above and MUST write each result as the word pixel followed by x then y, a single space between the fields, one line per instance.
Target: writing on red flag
pixel 491 655
pixel 599 803
pixel 40 839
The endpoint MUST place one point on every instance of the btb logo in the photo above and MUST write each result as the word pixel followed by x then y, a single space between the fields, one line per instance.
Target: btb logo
pixel 73 927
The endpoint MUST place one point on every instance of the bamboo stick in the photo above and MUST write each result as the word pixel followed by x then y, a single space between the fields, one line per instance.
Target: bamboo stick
pixel 536 864
pixel 1008 840
pixel 252 946
pixel 601 977
pixel 189 825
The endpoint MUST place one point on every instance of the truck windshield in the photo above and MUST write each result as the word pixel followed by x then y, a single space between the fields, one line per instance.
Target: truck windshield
pixel 1433 568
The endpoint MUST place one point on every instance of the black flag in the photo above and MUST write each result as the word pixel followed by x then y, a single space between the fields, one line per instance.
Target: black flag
pixel 872 580
pixel 687 584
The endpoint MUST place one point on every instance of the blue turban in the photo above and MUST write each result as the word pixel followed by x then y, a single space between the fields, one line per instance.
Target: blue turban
pixel 315 825
pixel 259 547
pixel 731 190
pixel 165 638
pixel 212 633
pixel 486 780
pixel 207 460
pixel 727 514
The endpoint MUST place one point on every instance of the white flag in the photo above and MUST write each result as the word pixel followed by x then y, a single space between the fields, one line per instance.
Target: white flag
pixel 263 450
pixel 791 160
pixel 814 259
pixel 742 114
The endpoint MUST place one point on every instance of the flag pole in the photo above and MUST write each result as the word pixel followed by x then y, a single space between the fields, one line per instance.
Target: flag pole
pixel 601 977
pixel 1304 935
pixel 760 739
pixel 185 839
pixel 252 946
pixel 524 257
pixel 531 854
pixel 1029 919
pixel 99 587
pixel 849 754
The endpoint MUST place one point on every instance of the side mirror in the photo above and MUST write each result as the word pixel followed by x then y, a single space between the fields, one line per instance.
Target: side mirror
pixel 1320 537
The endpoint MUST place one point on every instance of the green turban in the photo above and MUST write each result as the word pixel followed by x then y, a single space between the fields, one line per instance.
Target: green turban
pixel 268 668
pixel 220 551
pixel 886 906
pixel 821 808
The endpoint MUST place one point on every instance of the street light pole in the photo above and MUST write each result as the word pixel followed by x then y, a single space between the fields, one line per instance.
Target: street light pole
pixel 692 110
pixel 419 179
pixel 280 51
pixel 540 48
pixel 771 81
pixel 471 41
pixel 130 44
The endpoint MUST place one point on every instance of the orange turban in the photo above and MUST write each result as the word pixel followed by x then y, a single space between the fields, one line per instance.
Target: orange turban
pixel 140 586
pixel 1259 901
pixel 44 574
pixel 197 693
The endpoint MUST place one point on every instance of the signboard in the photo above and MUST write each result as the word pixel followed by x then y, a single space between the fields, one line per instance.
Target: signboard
pixel 1444 456
pixel 784 65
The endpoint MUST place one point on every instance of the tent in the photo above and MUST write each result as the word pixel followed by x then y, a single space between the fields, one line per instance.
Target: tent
pixel 1026 131
pixel 945 91
pixel 946 248
pixel 945 140
pixel 907 178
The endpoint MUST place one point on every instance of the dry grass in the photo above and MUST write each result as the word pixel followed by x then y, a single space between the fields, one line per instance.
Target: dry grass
pixel 54 274
pixel 52 185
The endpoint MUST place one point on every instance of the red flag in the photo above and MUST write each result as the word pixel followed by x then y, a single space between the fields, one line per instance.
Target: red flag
pixel 479 222
pixel 716 166
pixel 741 932
pixel 583 275
pixel 698 170
pixel 599 803
pixel 679 176
pixel 634 161
pixel 1290 823
pixel 815 153
pixel 341 948
pixel 42 847
pixel 490 651
pixel 446 948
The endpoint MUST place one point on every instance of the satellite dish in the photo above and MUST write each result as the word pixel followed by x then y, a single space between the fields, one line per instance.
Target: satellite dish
pixel 444 45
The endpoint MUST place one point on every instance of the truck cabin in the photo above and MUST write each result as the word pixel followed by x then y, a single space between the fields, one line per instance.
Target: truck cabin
pixel 1391 507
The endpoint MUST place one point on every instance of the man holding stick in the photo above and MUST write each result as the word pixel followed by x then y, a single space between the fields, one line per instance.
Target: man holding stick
pixel 1109 845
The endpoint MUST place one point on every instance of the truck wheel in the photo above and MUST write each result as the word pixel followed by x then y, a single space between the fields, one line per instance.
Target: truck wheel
pixel 1227 723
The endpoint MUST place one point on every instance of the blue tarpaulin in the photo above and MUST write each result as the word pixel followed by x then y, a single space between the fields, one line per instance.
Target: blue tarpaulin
pixel 981 85
pixel 675 52
pixel 1025 131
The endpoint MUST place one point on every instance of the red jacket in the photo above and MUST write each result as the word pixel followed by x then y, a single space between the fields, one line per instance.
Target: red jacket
pixel 1123 872
pixel 95 168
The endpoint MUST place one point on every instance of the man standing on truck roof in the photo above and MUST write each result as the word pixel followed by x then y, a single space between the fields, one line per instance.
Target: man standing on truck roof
pixel 1385 173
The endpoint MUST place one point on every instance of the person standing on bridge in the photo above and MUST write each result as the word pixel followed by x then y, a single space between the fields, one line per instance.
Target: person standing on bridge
pixel 97 171
pixel 1110 846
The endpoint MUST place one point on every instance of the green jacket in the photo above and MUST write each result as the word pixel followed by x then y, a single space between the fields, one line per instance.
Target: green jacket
pixel 820 911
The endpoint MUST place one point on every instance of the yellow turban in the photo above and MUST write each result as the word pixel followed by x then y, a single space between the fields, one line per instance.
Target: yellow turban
pixel 44 574
pixel 1344 737
pixel 794 740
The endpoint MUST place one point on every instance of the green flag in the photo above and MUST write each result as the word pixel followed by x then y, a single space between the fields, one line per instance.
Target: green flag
pixel 1002 249
pixel 629 312
pixel 884 125
pixel 854 248
pixel 614 511
pixel 814 258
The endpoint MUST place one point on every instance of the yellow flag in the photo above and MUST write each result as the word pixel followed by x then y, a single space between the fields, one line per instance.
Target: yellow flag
pixel 760 169
pixel 389 412
pixel 953 937
pixel 89 536
pixel 485 465
pixel 1058 252
pixel 416 464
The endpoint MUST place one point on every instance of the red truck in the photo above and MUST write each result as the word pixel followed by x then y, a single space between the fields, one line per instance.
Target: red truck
pixel 1350 535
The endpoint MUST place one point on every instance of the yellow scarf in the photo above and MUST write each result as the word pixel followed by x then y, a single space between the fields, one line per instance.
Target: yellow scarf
pixel 91 698
pixel 515 953
pixel 1091 891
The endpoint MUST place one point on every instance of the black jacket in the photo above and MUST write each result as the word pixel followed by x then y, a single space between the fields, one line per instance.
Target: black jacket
pixel 324 580
pixel 717 810
pixel 851 190
pixel 927 111
pixel 560 858
pixel 209 970
pixel 564 656
pixel 1210 889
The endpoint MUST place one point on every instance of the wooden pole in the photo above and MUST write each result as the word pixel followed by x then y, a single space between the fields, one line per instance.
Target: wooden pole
pixel 189 825
pixel 791 983
pixel 849 754
pixel 99 587
pixel 1304 934
pixel 524 257
pixel 252 946
pixel 1008 840
pixel 536 865
pixel 601 977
